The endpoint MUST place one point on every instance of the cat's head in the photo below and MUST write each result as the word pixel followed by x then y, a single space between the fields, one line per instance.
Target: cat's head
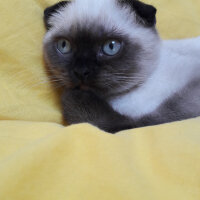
pixel 109 46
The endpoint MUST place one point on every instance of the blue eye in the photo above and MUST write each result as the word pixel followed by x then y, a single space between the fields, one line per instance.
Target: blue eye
pixel 63 46
pixel 111 47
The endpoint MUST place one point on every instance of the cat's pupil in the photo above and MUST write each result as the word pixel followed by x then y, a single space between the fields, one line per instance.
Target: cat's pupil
pixel 63 44
pixel 111 45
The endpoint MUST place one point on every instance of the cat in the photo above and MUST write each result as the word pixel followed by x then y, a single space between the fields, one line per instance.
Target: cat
pixel 116 71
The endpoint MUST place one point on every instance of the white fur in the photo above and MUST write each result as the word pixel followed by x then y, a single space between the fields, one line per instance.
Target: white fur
pixel 82 12
pixel 179 63
pixel 106 12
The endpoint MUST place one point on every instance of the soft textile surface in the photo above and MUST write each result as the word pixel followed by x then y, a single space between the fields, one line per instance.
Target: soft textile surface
pixel 41 159
pixel 48 162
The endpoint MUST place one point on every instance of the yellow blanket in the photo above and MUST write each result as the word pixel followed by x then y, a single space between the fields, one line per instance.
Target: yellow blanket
pixel 41 159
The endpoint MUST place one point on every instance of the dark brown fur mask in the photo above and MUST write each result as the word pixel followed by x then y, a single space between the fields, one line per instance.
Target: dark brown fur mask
pixel 108 46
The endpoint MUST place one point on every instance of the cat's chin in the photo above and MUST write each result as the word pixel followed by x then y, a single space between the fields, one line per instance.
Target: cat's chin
pixel 82 87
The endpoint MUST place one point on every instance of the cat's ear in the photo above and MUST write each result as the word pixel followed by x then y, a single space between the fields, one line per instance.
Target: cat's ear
pixel 146 14
pixel 48 12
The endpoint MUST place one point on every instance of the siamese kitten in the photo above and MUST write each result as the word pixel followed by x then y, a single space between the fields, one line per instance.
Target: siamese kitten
pixel 115 70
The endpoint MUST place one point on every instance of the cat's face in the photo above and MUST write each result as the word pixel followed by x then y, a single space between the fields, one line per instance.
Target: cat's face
pixel 108 46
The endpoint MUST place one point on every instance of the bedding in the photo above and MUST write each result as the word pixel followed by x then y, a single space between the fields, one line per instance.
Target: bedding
pixel 40 158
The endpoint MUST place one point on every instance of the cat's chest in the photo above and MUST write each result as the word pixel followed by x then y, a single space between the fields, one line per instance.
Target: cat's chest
pixel 138 103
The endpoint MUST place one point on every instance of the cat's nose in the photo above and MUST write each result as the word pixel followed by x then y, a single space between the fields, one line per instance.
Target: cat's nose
pixel 81 74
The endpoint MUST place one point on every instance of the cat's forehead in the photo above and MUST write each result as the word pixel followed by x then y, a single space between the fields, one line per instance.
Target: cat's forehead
pixel 95 16
pixel 91 14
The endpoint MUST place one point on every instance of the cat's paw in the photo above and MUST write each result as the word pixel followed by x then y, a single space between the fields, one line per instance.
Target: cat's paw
pixel 78 97
pixel 79 105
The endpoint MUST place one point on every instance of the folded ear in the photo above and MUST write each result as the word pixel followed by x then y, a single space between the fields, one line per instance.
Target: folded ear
pixel 146 14
pixel 48 12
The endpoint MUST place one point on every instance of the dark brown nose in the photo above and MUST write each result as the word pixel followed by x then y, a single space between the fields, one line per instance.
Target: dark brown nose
pixel 81 73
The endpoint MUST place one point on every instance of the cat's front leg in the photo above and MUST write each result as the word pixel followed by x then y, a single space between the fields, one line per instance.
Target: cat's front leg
pixel 81 106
